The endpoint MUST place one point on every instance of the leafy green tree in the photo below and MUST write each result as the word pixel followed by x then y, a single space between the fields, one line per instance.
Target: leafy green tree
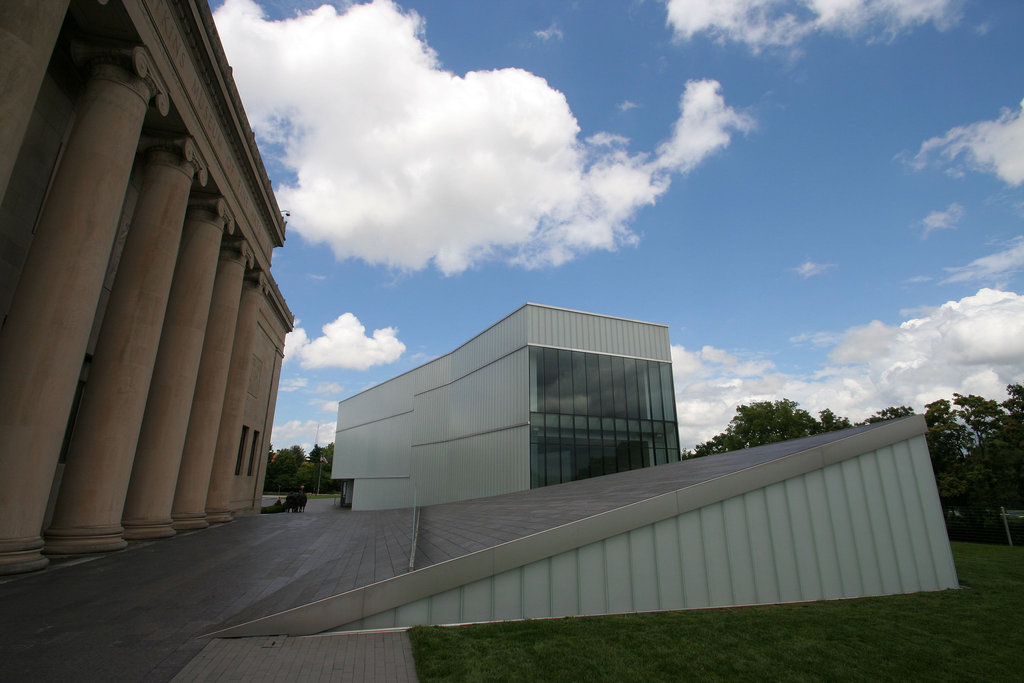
pixel 890 413
pixel 763 422
pixel 830 422
pixel 282 469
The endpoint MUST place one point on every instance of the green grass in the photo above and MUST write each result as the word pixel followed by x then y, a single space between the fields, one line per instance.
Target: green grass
pixel 975 634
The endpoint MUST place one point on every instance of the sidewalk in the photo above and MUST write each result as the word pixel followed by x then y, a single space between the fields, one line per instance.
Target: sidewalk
pixel 142 614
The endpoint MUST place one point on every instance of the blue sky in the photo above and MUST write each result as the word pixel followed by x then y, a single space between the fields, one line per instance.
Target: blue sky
pixel 822 199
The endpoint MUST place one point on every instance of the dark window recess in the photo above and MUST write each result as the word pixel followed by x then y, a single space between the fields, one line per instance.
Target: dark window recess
pixel 241 450
pixel 252 452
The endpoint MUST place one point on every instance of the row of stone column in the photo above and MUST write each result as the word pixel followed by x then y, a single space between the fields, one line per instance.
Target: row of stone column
pixel 181 316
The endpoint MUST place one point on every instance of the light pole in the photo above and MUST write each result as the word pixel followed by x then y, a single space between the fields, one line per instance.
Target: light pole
pixel 319 458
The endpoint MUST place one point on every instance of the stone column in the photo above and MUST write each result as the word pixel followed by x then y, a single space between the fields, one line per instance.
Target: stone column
pixel 189 508
pixel 87 517
pixel 43 343
pixel 28 32
pixel 147 508
pixel 232 414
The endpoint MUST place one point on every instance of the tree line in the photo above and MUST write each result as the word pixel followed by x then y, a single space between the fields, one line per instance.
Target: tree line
pixel 288 469
pixel 976 444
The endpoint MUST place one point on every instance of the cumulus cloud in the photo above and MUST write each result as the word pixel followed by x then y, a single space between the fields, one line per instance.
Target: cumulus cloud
pixel 344 344
pixel 305 433
pixel 996 267
pixel 784 23
pixel 995 147
pixel 399 162
pixel 943 220
pixel 292 384
pixel 973 346
pixel 810 269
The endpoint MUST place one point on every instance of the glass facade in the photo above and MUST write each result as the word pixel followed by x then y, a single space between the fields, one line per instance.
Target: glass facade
pixel 592 414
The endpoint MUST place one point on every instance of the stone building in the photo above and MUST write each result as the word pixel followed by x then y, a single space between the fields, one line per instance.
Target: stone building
pixel 142 332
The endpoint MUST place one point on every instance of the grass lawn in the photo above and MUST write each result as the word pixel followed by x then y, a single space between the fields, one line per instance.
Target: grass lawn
pixel 974 634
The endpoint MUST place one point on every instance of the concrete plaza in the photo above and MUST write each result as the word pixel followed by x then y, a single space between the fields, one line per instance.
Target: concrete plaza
pixel 142 614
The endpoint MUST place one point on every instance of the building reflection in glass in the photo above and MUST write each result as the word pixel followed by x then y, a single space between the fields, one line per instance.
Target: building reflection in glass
pixel 593 414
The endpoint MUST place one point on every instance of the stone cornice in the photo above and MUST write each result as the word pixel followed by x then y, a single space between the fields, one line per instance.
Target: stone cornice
pixel 207 48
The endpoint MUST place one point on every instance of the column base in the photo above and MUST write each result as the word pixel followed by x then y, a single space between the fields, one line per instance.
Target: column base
pixel 18 556
pixel 137 530
pixel 189 522
pixel 218 516
pixel 84 541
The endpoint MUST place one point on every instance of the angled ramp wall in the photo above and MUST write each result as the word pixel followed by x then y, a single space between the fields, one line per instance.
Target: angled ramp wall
pixel 855 517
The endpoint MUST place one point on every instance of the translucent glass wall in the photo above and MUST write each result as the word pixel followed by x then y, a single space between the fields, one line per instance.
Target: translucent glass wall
pixel 594 414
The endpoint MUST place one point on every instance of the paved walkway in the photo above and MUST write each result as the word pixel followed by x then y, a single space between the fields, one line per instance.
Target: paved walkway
pixel 142 614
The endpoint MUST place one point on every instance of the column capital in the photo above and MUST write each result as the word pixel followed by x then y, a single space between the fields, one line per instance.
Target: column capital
pixel 180 152
pixel 212 208
pixel 136 67
pixel 235 248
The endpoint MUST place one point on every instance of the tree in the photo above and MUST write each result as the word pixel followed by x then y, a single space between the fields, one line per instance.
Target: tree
pixel 890 413
pixel 765 422
pixel 830 422
pixel 282 469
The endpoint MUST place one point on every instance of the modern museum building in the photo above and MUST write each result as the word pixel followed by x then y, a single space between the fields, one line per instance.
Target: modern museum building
pixel 545 396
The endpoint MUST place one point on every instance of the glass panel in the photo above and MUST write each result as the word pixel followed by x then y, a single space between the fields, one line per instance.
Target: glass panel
pixel 610 465
pixel 536 467
pixel 636 455
pixel 659 435
pixel 579 383
pixel 536 427
pixel 607 394
pixel 567 465
pixel 619 384
pixel 536 361
pixel 622 456
pixel 668 392
pixel 659 456
pixel 565 381
pixel 648 439
pixel 580 428
pixel 596 461
pixel 581 458
pixel 554 468
pixel 550 393
pixel 672 438
pixel 644 390
pixel 593 385
pixel 657 403
pixel 632 399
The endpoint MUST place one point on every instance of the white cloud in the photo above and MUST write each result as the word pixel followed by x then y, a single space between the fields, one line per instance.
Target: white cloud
pixel 344 344
pixel 784 23
pixel 996 267
pixel 810 269
pixel 626 105
pixel 328 388
pixel 943 220
pixel 402 163
pixel 988 146
pixel 974 345
pixel 293 384
pixel 550 33
pixel 302 433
